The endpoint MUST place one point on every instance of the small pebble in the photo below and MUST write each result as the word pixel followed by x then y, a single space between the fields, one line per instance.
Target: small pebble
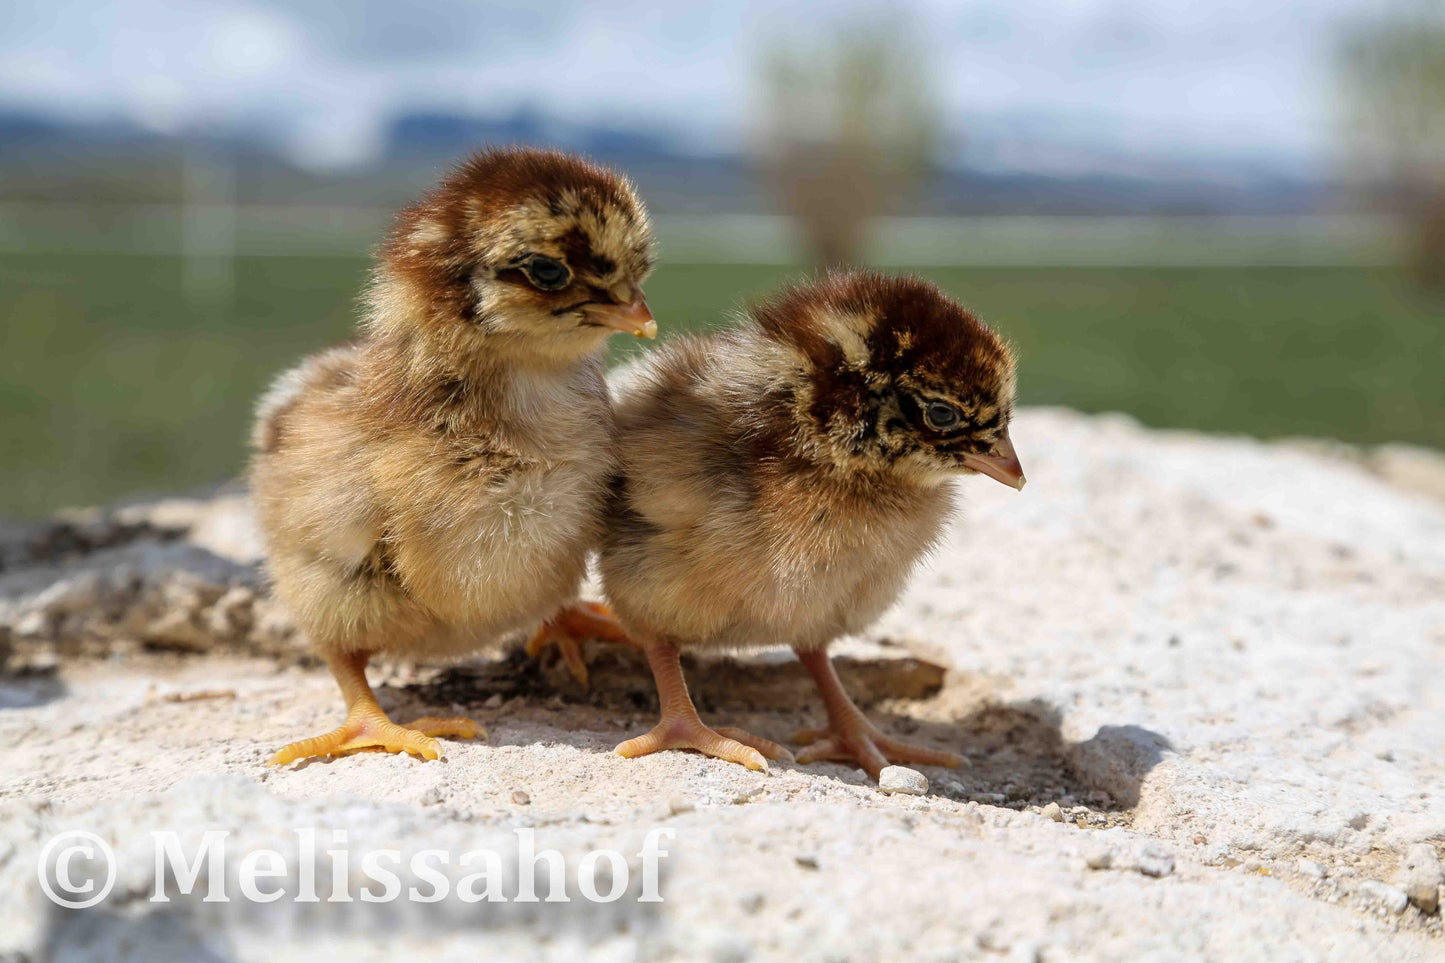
pixel 1388 896
pixel 901 779
pixel 1155 861
pixel 806 860
pixel 732 948
pixel 1310 868
pixel 1098 859
pixel 1052 811
pixel 520 798
pixel 494 701
pixel 1200 839
pixel 1421 876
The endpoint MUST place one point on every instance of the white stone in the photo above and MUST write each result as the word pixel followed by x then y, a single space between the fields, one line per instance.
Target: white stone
pixel 1421 876
pixel 1388 896
pixel 1155 861
pixel 901 779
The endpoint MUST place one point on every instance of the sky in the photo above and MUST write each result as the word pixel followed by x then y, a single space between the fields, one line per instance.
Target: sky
pixel 1068 82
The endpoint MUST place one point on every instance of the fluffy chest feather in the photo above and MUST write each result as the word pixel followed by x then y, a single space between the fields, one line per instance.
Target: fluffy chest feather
pixel 789 563
pixel 498 518
pixel 838 553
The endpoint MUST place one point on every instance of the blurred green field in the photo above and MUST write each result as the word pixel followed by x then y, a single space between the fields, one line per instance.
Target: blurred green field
pixel 112 387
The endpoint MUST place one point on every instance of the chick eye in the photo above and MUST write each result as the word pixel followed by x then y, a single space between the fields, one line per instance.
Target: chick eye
pixel 940 415
pixel 547 274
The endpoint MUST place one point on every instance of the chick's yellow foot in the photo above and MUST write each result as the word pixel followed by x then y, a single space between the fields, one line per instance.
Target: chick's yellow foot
pixel 688 732
pixel 368 729
pixel 858 740
pixel 569 627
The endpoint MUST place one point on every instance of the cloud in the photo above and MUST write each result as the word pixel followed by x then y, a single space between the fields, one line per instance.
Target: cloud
pixel 1164 75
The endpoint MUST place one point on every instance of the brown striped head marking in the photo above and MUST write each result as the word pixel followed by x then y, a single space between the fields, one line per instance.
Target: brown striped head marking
pixel 518 242
pixel 890 372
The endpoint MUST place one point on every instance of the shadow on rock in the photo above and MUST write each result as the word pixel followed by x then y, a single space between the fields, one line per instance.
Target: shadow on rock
pixel 1018 753
pixel 1118 758
pixel 100 934
pixel 25 690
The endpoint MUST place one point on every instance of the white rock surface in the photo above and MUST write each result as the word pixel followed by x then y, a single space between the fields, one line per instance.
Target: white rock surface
pixel 1222 661
pixel 1247 639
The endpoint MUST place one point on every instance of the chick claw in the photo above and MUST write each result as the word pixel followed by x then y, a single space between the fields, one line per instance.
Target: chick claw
pixel 367 729
pixel 860 741
pixel 569 627
pixel 729 744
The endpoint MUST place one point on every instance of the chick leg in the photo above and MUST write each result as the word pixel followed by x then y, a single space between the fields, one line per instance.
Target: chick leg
pixel 569 627
pixel 849 736
pixel 681 728
pixel 367 725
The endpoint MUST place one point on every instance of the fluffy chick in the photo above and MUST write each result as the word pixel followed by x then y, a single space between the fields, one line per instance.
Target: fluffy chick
pixel 778 482
pixel 438 483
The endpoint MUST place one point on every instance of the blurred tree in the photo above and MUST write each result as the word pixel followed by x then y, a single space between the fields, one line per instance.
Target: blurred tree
pixel 849 125
pixel 1394 87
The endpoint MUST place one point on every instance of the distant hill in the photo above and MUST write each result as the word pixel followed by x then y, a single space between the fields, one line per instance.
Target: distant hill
pixel 44 158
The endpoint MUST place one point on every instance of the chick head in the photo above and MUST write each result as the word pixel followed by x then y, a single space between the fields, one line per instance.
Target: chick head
pixel 889 373
pixel 535 249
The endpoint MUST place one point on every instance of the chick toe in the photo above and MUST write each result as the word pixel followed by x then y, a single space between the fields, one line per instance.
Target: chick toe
pixel 367 728
pixel 860 742
pixel 570 627
pixel 454 727
pixel 681 732
pixel 770 749
pixel 682 728
pixel 849 736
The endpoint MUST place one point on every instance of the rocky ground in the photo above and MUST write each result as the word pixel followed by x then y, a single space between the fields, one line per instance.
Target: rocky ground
pixel 1201 682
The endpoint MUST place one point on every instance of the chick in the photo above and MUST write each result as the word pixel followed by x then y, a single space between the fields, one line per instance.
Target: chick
pixel 777 483
pixel 438 483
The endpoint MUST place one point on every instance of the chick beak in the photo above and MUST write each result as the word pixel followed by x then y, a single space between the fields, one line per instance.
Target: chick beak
pixel 1000 464
pixel 628 312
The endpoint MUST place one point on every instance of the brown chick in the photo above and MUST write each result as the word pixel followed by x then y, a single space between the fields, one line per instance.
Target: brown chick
pixel 438 483
pixel 778 482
